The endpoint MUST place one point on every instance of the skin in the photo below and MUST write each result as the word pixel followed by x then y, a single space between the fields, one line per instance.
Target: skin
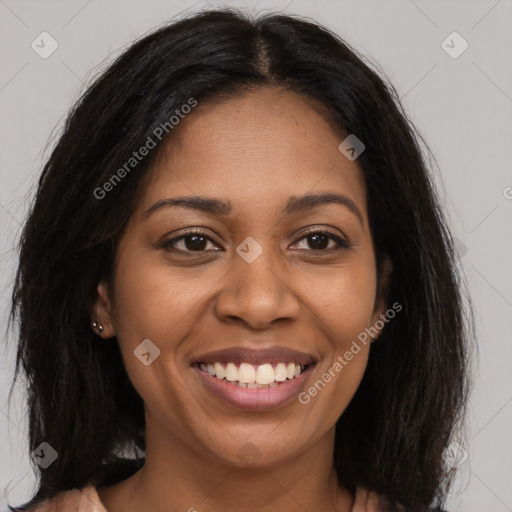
pixel 254 151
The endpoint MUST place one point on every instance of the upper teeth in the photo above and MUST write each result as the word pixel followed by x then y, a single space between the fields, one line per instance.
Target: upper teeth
pixel 248 373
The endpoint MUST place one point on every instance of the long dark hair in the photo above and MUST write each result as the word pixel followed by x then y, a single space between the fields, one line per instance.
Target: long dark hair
pixel 412 398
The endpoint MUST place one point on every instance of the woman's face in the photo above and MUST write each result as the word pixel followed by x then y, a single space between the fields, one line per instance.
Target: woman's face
pixel 253 289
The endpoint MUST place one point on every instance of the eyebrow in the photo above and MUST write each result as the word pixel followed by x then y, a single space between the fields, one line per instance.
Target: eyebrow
pixel 215 206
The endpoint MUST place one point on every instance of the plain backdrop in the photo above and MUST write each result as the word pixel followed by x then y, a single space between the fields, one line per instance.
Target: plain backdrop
pixel 462 105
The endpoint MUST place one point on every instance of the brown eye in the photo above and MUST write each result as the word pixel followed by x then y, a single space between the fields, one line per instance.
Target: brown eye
pixel 318 240
pixel 195 242
pixel 191 241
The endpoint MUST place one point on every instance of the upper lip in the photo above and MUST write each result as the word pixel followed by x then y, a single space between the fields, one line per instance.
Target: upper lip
pixel 256 356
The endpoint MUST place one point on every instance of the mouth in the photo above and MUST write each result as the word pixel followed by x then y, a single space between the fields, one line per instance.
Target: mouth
pixel 257 379
pixel 252 376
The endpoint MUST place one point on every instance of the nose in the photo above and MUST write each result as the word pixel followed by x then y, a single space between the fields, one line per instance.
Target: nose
pixel 257 294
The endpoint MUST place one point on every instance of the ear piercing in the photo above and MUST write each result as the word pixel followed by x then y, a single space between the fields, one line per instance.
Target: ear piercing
pixel 97 326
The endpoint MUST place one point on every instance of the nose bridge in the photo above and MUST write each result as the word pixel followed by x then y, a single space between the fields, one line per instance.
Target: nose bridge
pixel 256 290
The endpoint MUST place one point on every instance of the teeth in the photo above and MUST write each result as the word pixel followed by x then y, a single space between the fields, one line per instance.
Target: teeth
pixel 265 374
pixel 280 372
pixel 251 376
pixel 231 372
pixel 246 373
pixel 220 371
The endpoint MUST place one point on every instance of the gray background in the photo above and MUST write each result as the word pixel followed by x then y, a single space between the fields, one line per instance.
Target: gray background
pixel 462 106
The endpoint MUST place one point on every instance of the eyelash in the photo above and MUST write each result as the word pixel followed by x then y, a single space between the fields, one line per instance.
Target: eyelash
pixel 342 244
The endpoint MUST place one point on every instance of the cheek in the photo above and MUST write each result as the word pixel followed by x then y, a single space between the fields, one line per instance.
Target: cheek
pixel 151 301
pixel 152 304
pixel 343 299
pixel 344 303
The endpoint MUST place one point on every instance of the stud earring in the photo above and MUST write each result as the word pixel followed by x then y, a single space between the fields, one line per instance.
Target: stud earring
pixel 97 326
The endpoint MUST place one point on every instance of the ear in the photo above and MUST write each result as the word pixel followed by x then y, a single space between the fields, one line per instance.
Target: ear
pixel 381 299
pixel 102 312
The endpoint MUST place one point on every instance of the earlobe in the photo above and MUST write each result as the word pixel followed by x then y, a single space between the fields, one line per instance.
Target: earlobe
pixel 102 318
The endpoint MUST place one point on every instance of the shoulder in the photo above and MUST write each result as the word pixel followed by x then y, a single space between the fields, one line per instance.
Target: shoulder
pixel 79 500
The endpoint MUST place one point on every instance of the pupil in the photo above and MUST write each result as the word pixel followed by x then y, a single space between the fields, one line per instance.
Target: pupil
pixel 322 244
pixel 197 244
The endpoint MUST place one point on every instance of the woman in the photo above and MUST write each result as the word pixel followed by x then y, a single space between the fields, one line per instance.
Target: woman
pixel 236 289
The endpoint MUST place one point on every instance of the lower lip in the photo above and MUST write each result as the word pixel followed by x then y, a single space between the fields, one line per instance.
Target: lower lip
pixel 254 398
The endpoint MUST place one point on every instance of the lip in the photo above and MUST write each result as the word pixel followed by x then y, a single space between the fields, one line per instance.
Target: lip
pixel 255 356
pixel 254 398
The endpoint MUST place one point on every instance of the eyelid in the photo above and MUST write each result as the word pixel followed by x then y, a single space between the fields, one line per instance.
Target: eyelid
pixel 167 242
pixel 341 241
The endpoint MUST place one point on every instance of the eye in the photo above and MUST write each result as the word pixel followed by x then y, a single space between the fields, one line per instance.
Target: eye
pixel 193 240
pixel 319 239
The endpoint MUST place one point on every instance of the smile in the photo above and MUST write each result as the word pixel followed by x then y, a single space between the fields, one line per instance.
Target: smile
pixel 253 376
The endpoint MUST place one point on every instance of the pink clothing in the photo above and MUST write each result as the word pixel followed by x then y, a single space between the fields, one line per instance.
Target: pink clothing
pixel 87 500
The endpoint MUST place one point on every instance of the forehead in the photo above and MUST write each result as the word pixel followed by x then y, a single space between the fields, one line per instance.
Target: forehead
pixel 255 149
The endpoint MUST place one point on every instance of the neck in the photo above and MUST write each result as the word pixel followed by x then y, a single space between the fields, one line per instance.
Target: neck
pixel 177 477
